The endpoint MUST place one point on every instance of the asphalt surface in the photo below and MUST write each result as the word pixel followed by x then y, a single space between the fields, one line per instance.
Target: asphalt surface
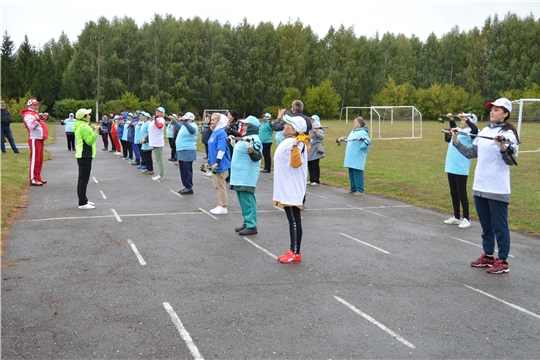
pixel 150 274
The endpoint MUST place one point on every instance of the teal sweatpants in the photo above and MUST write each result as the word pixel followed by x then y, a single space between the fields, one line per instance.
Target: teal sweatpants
pixel 248 204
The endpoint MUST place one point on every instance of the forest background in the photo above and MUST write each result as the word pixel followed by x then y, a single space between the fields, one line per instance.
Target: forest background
pixel 195 64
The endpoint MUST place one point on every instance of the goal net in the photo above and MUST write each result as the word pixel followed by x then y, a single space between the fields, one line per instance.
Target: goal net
pixel 526 116
pixel 211 111
pixel 388 122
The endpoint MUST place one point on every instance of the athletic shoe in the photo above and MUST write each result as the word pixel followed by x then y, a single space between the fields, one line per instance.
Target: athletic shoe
pixel 148 172
pixel 483 261
pixel 264 171
pixel 117 153
pixel 87 207
pixel 248 231
pixel 157 178
pixel 291 259
pixel 287 254
pixel 357 193
pixel 36 183
pixel 171 159
pixel 208 173
pixel 465 223
pixel 136 162
pixel 308 182
pixel 128 159
pixel 112 150
pixel 104 149
pixel 186 191
pixel 452 221
pixel 238 229
pixel 314 184
pixel 219 211
pixel 43 181
pixel 90 203
pixel 499 267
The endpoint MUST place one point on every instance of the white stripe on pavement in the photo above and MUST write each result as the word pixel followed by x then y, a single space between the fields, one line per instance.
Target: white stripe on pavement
pixel 470 243
pixel 95 180
pixel 183 332
pixel 373 321
pixel 260 247
pixel 176 193
pixel 365 243
pixel 137 253
pixel 505 302
pixel 103 194
pixel 208 213
pixel 116 215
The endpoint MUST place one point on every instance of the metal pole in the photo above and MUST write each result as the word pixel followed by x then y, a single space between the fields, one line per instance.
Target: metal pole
pixel 98 39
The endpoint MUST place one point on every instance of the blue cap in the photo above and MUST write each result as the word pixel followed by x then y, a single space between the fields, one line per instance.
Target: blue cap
pixel 251 120
pixel 268 115
pixel 315 117
pixel 161 109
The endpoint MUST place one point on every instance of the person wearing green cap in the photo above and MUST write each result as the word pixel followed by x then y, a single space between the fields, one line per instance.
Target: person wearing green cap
pixel 85 137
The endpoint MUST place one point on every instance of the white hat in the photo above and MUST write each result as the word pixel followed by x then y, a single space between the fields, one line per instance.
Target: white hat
pixel 188 116
pixel 502 102
pixel 297 122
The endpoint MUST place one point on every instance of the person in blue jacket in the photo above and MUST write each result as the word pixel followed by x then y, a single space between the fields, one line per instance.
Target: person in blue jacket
pixel 358 143
pixel 70 134
pixel 120 131
pixel 246 162
pixel 186 150
pixel 219 160
pixel 457 168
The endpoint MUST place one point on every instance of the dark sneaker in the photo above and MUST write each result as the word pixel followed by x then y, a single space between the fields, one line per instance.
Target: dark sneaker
pixel 248 231
pixel 499 267
pixel 238 229
pixel 483 261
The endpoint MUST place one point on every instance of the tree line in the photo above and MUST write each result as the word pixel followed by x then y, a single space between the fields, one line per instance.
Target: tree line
pixel 195 64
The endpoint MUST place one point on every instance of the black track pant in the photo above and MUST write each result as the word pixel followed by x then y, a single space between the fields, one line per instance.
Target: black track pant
pixel 295 227
pixel 458 192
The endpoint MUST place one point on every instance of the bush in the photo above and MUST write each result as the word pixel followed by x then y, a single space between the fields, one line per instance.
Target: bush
pixel 273 110
pixel 322 100
pixel 62 108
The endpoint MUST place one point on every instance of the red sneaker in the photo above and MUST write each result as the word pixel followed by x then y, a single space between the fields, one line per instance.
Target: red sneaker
pixel 499 267
pixel 36 183
pixel 286 255
pixel 291 259
pixel 483 261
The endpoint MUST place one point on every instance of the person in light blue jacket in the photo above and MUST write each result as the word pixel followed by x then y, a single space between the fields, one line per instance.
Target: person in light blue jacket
pixel 358 143
pixel 186 150
pixel 147 165
pixel 245 163
pixel 70 134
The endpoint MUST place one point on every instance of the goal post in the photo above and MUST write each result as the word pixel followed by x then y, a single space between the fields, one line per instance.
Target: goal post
pixel 389 122
pixel 211 111
pixel 526 110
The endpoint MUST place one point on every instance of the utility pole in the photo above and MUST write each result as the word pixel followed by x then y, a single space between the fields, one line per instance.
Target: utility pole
pixel 98 39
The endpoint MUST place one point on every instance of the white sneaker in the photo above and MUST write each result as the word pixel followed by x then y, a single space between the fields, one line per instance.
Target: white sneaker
pixel 90 203
pixel 219 211
pixel 208 173
pixel 157 178
pixel 314 184
pixel 214 209
pixel 464 224
pixel 117 153
pixel 452 221
pixel 87 207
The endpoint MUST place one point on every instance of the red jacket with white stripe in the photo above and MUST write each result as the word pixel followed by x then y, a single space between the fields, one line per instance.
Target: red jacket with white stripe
pixel 37 129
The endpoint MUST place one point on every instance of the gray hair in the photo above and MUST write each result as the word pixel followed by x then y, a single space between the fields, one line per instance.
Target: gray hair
pixel 360 121
pixel 297 106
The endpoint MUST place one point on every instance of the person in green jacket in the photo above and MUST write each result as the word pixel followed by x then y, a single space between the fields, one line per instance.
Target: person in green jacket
pixel 265 134
pixel 85 136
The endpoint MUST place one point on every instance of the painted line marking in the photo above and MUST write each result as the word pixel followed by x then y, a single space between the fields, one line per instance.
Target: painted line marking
pixel 260 248
pixel 95 180
pixel 307 192
pixel 280 209
pixel 116 215
pixel 183 332
pixel 505 302
pixel 176 193
pixel 365 243
pixel 103 194
pixel 71 218
pixel 375 322
pixel 371 212
pixel 270 181
pixel 137 253
pixel 470 243
pixel 208 213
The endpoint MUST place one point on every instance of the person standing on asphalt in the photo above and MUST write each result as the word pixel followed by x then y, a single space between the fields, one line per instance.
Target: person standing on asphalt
pixel 317 136
pixel 156 140
pixel 491 186
pixel 68 129
pixel 6 130
pixel 37 134
pixel 186 150
pixel 86 151
pixel 265 134
pixel 219 160
pixel 356 152
pixel 290 174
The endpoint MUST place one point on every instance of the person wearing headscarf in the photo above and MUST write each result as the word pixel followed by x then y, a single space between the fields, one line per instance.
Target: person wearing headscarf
pixel 186 150
pixel 356 152
pixel 290 173
pixel 317 136
pixel 246 162
pixel 219 160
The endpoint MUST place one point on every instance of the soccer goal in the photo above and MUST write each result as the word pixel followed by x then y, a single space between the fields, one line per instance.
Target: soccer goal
pixel 388 122
pixel 211 111
pixel 526 111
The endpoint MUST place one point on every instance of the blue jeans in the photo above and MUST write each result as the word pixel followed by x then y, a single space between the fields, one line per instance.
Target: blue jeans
pixel 356 177
pixel 493 216
pixel 6 131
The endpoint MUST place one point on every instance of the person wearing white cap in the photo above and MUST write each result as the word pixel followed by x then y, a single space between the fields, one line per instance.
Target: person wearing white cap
pixel 86 150
pixel 491 187
pixel 315 154
pixel 156 140
pixel 457 169
pixel 37 134
pixel 219 160
pixel 68 129
pixel 186 150
pixel 290 173
pixel 265 134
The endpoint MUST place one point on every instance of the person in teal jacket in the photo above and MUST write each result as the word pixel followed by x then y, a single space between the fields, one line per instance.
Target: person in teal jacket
pixel 86 151
pixel 358 143
pixel 265 133
pixel 245 163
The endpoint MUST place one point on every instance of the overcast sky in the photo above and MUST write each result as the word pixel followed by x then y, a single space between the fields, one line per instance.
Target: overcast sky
pixel 42 21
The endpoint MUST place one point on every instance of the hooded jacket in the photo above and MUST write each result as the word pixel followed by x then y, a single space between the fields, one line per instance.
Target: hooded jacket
pixel 37 129
pixel 356 152
pixel 86 140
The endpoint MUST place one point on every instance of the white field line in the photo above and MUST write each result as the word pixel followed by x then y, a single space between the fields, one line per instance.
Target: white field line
pixel 280 209
pixel 270 181
pixel 71 218
pixel 95 180
pixel 505 302
pixel 365 243
pixel 116 215
pixel 208 213
pixel 183 332
pixel 373 321
pixel 371 212
pixel 473 244
pixel 307 192
pixel 260 248
pixel 176 193
pixel 137 253
pixel 103 194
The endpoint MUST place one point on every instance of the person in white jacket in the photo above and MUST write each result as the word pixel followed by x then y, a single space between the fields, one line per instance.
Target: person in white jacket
pixel 493 147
